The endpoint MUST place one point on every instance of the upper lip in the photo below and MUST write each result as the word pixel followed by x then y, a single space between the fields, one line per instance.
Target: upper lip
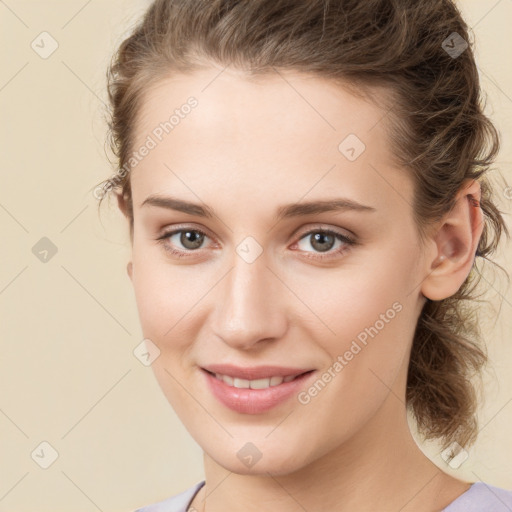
pixel 254 372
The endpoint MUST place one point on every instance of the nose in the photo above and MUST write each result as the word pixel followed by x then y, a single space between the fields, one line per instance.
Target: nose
pixel 250 305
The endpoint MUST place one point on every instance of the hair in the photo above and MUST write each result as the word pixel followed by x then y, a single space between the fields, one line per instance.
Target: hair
pixel 435 122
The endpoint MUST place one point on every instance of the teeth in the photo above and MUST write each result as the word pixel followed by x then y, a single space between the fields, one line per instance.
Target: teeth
pixel 275 381
pixel 254 384
pixel 226 378
pixel 241 383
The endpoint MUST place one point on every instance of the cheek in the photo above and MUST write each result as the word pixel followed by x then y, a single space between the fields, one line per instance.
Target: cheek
pixel 167 301
pixel 371 314
pixel 158 305
pixel 365 292
pixel 165 293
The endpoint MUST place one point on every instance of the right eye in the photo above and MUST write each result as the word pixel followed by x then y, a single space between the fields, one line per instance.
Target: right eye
pixel 190 240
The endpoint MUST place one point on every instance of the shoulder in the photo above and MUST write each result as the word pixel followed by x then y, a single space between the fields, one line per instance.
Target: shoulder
pixel 482 497
pixel 178 503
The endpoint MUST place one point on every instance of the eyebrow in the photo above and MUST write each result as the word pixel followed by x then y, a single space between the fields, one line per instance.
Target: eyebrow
pixel 283 212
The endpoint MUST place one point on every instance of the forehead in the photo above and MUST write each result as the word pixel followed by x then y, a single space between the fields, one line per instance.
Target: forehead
pixel 282 133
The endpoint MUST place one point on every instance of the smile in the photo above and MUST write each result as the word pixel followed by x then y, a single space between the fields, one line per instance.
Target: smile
pixel 254 384
pixel 256 395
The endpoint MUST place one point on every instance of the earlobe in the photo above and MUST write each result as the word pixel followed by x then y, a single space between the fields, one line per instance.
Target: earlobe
pixel 455 243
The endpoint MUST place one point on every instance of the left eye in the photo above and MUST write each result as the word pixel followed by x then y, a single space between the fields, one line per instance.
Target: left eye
pixel 323 240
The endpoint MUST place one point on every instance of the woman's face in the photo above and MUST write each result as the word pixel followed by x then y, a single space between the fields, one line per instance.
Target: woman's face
pixel 257 164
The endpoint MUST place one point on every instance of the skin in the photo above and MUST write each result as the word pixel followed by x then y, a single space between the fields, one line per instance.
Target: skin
pixel 249 147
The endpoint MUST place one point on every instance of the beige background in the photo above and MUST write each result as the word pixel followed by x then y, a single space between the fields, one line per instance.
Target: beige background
pixel 69 326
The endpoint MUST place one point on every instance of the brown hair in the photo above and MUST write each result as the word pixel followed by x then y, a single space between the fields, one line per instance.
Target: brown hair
pixel 437 128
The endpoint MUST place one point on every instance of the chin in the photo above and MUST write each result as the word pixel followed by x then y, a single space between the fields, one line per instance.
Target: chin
pixel 259 458
pixel 277 467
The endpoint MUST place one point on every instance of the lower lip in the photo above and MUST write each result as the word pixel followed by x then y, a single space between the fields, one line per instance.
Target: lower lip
pixel 254 401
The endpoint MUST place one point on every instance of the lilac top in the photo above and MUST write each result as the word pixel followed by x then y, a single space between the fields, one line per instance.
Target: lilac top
pixel 480 497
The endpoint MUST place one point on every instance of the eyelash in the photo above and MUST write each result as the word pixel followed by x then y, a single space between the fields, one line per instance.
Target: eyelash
pixel 347 241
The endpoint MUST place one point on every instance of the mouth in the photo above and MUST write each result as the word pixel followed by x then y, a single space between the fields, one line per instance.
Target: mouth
pixel 263 383
pixel 255 390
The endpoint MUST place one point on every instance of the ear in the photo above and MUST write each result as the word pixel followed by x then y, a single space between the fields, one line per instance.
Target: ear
pixel 454 244
pixel 121 203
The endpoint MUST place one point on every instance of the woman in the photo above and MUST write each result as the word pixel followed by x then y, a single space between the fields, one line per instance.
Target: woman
pixel 305 185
